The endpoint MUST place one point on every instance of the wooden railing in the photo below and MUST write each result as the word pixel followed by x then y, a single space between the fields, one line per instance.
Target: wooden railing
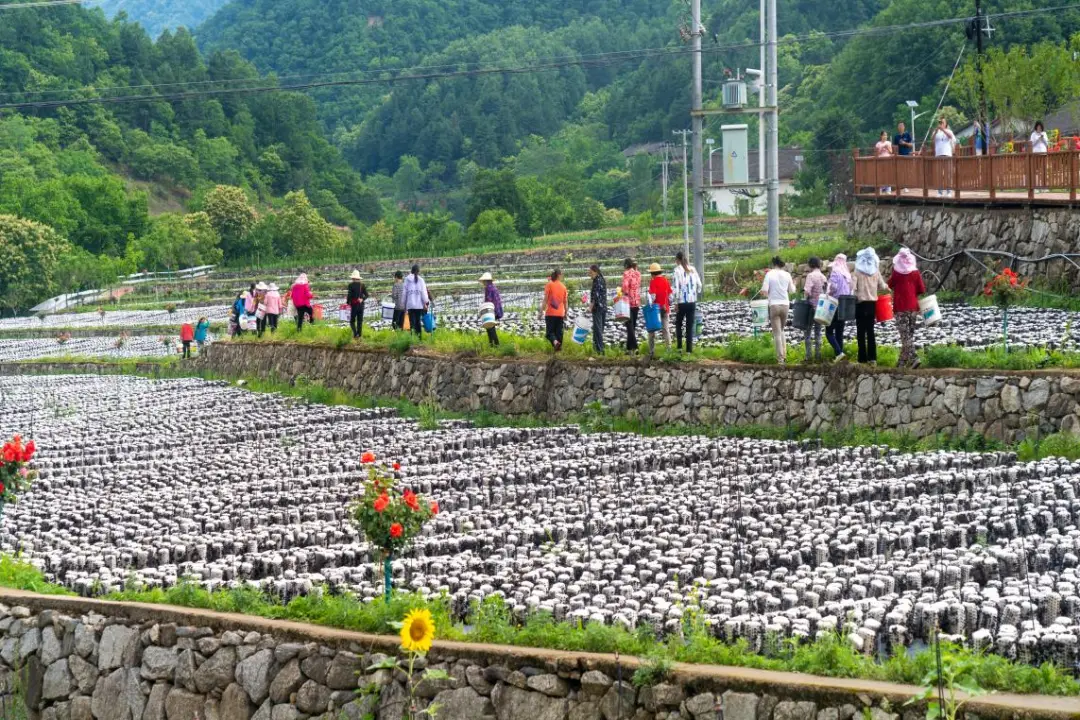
pixel 1048 177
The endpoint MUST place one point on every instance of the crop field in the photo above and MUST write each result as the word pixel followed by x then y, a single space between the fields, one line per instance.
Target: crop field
pixel 147 482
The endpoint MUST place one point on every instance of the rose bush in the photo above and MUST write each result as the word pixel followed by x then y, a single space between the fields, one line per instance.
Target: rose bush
pixel 16 474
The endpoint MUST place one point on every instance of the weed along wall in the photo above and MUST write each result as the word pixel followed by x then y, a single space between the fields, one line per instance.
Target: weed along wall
pixel 74 659
pixel 1004 406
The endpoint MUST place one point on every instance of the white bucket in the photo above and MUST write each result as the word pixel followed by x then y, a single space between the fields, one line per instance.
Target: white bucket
pixel 622 310
pixel 387 308
pixel 760 309
pixel 344 313
pixel 260 312
pixel 826 309
pixel 582 327
pixel 929 310
pixel 487 315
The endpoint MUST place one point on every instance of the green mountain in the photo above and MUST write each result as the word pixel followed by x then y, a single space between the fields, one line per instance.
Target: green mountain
pixel 157 16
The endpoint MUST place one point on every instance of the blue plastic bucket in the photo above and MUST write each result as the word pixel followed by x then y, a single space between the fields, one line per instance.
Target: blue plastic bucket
pixel 653 321
pixel 582 326
pixel 429 322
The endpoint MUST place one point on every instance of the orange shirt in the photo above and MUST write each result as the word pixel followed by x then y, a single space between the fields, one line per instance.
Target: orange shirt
pixel 555 298
pixel 187 333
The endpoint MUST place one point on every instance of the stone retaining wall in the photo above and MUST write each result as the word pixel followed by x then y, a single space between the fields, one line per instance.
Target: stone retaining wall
pixel 936 232
pixel 75 659
pixel 1000 405
pixel 69 368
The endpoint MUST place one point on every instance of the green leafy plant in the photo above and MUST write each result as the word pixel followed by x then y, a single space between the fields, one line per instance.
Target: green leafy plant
pixel 655 670
pixel 429 414
pixel 941 688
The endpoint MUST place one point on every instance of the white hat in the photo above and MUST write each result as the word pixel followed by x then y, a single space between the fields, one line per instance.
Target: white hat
pixel 273 287
pixel 355 274
pixel 485 276
pixel 261 286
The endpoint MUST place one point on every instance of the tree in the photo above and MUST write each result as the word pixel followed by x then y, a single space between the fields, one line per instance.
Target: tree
pixel 231 216
pixel 497 189
pixel 493 227
pixel 176 242
pixel 298 229
pixel 408 180
pixel 29 258
pixel 548 211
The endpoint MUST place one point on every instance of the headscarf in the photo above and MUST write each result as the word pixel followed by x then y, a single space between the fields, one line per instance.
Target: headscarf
pixel 866 261
pixel 904 262
pixel 302 279
pixel 839 267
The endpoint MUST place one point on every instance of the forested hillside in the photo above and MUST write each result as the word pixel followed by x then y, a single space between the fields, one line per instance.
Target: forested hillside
pixel 158 16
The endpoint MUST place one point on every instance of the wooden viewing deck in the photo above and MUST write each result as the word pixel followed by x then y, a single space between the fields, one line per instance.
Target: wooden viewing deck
pixel 1012 179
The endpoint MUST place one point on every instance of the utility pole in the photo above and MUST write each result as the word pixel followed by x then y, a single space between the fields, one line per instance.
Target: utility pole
pixel 761 97
pixel 698 122
pixel 983 115
pixel 773 188
pixel 665 181
pixel 685 191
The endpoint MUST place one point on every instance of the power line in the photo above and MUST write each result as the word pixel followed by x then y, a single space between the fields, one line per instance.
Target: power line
pixel 42 3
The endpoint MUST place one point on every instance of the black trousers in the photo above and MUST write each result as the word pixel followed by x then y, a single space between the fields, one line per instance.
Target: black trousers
pixel 356 320
pixel 416 322
pixel 187 348
pixel 493 337
pixel 599 317
pixel 260 325
pixel 398 322
pixel 865 317
pixel 555 327
pixel 301 311
pixel 271 320
pixel 835 335
pixel 684 313
pixel 631 330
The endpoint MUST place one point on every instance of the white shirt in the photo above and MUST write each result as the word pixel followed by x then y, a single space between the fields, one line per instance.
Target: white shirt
pixel 1040 143
pixel 687 285
pixel 778 284
pixel 943 142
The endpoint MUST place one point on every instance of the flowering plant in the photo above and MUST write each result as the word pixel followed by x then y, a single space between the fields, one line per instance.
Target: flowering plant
pixel 753 287
pixel 389 519
pixel 1006 288
pixel 15 472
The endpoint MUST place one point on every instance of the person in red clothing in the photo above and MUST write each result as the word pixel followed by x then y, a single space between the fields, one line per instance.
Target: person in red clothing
pixel 187 334
pixel 660 293
pixel 907 285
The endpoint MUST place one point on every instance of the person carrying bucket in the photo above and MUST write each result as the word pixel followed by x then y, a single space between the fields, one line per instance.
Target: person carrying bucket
pixel 777 287
pixel 907 285
pixel 598 307
pixel 660 296
pixel 354 298
pixel 260 307
pixel 492 296
pixel 687 287
pixel 631 290
pixel 839 286
pixel 867 284
pixel 555 298
pixel 397 295
pixel 417 300
pixel 813 286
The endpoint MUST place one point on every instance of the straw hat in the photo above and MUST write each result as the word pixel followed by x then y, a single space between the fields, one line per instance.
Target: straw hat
pixel 261 286
pixel 485 276
pixel 655 267
pixel 355 275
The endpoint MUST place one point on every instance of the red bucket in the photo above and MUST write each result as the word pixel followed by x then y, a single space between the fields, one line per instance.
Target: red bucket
pixel 884 308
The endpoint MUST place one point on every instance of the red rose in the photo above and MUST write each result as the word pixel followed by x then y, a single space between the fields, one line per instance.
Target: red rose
pixel 397 466
pixel 381 502
pixel 10 455
pixel 28 451
pixel 434 507
pixel 395 530
pixel 1 488
pixel 411 501
pixel 367 458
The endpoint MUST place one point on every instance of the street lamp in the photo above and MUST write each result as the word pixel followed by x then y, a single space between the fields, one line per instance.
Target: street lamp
pixel 912 104
pixel 710 141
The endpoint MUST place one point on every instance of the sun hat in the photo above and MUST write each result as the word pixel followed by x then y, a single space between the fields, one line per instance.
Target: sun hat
pixel 355 275
pixel 301 279
pixel 273 287
pixel 485 276
pixel 655 267
pixel 261 286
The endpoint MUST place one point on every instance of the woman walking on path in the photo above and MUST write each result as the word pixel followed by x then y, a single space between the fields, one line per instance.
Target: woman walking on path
pixel 660 295
pixel 631 290
pixel 260 304
pixel 201 330
pixel 598 307
pixel 687 286
pixel 417 300
pixel 839 285
pixel 907 285
pixel 555 299
pixel 356 296
pixel 273 307
pixel 867 284
pixel 397 294
pixel 777 287
pixel 491 295
pixel 301 300
pixel 813 287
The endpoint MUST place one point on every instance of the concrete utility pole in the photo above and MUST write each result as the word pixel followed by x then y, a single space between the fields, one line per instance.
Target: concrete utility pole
pixel 665 181
pixel 698 122
pixel 761 98
pixel 685 191
pixel 773 188
pixel 980 24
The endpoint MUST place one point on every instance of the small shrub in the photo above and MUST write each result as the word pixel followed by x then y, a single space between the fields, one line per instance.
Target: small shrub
pixel 657 669
pixel 401 343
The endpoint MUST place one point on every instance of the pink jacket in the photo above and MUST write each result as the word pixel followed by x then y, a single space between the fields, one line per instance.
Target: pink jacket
pixel 273 303
pixel 301 295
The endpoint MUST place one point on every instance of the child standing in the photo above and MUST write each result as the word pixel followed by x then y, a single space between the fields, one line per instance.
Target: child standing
pixel 812 288
pixel 187 334
pixel 660 295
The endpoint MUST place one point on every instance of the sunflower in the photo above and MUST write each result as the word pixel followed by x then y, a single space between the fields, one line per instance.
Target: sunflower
pixel 417 631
